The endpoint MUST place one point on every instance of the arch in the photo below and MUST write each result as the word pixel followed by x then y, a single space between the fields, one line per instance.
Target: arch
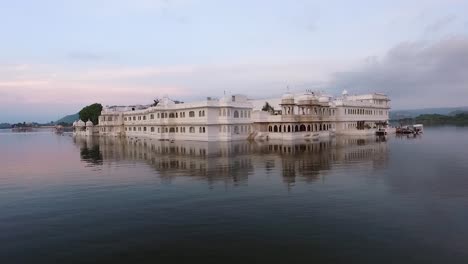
pixel 279 128
pixel 192 130
pixel 302 128
pixel 296 129
pixel 269 129
pixel 320 127
pixel 236 114
pixel 171 130
pixel 275 129
pixel 191 114
pixel 171 115
pixel 289 128
pixel 308 128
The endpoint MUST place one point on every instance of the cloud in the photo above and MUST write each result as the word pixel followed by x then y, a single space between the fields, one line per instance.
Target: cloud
pixel 414 74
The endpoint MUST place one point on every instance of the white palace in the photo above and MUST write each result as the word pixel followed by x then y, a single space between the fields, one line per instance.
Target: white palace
pixel 293 116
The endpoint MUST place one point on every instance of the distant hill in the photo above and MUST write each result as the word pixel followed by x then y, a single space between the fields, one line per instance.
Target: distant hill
pixel 5 125
pixel 401 114
pixel 68 119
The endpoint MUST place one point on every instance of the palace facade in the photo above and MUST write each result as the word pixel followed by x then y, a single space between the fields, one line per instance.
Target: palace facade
pixel 305 116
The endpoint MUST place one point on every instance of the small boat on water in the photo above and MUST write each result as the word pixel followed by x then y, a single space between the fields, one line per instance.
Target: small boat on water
pixel 412 129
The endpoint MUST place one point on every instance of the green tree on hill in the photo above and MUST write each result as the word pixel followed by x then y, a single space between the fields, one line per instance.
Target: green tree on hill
pixel 268 108
pixel 91 112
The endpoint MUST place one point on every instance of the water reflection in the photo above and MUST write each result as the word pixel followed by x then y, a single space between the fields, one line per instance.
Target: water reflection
pixel 234 161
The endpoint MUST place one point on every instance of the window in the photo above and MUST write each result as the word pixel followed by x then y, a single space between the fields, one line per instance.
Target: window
pixel 134 118
pixel 152 116
pixel 158 115
pixel 152 129
pixel 236 114
pixel 171 115
pixel 191 129
pixel 144 129
pixel 125 118
pixel 144 117
pixel 191 114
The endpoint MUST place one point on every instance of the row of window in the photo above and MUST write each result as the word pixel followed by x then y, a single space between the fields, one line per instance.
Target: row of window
pixel 360 111
pixel 300 128
pixel 235 113
pixel 166 129
pixel 163 115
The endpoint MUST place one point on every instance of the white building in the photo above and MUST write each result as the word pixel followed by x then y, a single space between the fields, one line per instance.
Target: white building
pixel 304 116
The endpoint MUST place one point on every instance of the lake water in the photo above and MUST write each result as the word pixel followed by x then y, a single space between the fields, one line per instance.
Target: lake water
pixel 346 200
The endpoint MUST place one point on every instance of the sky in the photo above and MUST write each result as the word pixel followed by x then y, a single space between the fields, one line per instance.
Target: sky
pixel 57 56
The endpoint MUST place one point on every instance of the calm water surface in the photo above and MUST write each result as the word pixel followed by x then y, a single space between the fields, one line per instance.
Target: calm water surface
pixel 347 200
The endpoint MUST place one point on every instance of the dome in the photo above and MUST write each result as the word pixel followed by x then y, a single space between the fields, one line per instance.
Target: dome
pixel 80 123
pixel 344 93
pixel 324 99
pixel 307 98
pixel 288 96
pixel 89 123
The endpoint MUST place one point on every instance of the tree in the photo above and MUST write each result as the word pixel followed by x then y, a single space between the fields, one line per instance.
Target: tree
pixel 268 108
pixel 156 102
pixel 91 112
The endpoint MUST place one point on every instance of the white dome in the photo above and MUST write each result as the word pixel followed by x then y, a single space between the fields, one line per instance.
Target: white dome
pixel 324 99
pixel 89 123
pixel 307 96
pixel 288 96
pixel 344 93
pixel 80 123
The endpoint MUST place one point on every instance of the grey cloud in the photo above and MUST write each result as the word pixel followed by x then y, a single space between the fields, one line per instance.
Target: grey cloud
pixel 415 74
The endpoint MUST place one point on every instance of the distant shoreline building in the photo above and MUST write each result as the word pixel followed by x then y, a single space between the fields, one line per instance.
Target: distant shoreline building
pixel 304 116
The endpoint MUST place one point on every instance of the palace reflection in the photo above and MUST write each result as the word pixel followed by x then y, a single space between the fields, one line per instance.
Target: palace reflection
pixel 233 162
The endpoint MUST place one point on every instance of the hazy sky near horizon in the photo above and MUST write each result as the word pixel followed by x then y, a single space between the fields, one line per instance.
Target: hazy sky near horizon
pixel 57 56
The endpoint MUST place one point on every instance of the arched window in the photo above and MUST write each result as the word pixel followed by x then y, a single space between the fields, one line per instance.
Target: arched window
pixel 269 129
pixel 279 129
pixel 241 114
pixel 296 128
pixel 224 112
pixel 204 130
pixel 171 130
pixel 308 128
pixel 191 114
pixel 236 114
pixel 236 130
pixel 171 115
pixel 275 128
pixel 302 128
pixel 152 129
pixel 192 130
pixel 320 127
pixel 200 130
